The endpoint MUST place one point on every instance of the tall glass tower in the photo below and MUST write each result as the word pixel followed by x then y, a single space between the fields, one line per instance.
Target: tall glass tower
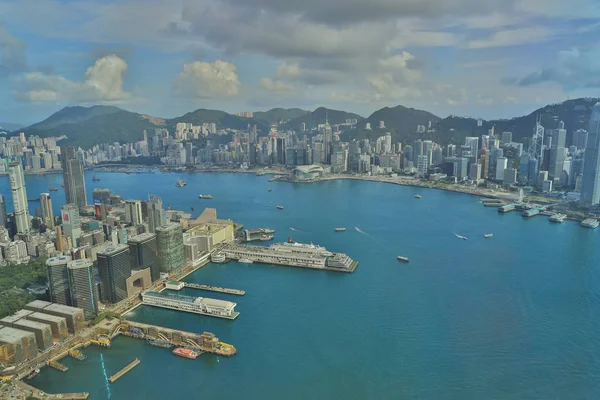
pixel 19 196
pixel 590 185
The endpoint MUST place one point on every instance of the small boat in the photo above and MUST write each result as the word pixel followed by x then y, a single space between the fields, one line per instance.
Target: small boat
pixel 400 258
pixel 462 237
pixel 280 207
pixel 53 189
pixel 270 190
pixel 63 184
pixel 205 196
pixel 192 208
pixel 33 374
pixel 245 261
pixel 488 236
pixel 290 240
pixel 417 196
pixel 94 179
pixel 339 229
pixel 180 183
pixel 159 343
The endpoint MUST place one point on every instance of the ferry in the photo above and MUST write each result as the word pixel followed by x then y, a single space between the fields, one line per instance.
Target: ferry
pixel 245 261
pixel 180 183
pixel 404 259
pixel 340 229
pixel 590 223
pixel 488 236
pixel 33 374
pixel 159 343
pixel 417 196
pixel 205 196
pixel 187 353
pixel 218 258
pixel 559 218
pixel 280 207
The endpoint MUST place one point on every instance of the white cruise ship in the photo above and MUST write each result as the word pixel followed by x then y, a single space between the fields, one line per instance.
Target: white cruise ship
pixel 196 305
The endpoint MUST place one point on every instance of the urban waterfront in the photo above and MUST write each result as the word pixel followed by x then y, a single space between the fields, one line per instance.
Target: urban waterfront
pixel 514 316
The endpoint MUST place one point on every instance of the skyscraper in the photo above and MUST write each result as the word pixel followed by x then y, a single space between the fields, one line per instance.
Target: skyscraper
pixel 169 240
pixel 2 211
pixel 557 153
pixel 74 178
pixel 47 214
pixel 506 137
pixel 71 222
pixel 590 185
pixel 156 215
pixel 58 280
pixel 580 138
pixel 133 211
pixel 142 249
pixel 327 141
pixel 84 292
pixel 19 196
pixel 114 267
pixel 473 143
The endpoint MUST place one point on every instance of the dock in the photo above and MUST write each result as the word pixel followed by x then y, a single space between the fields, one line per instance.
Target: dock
pixel 123 371
pixel 56 365
pixel 197 305
pixel 175 285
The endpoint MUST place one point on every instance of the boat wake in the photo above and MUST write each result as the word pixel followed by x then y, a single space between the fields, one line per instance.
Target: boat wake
pixel 297 230
pixel 460 237
pixel 357 229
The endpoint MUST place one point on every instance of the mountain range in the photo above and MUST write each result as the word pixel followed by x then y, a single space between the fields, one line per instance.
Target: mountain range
pixel 87 126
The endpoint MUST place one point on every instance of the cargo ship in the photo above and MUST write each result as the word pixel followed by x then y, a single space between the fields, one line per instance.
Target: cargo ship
pixel 205 196
pixel 187 353
pixel 159 343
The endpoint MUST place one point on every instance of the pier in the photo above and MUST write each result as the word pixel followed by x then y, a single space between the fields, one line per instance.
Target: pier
pixel 292 255
pixel 197 305
pixel 123 371
pixel 205 343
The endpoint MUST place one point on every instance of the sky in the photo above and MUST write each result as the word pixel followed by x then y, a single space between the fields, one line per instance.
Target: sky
pixel 479 58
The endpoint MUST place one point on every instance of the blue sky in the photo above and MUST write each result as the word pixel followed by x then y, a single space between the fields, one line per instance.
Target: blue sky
pixel 482 58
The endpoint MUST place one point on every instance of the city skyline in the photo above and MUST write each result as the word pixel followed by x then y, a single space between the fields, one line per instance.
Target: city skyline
pixel 489 60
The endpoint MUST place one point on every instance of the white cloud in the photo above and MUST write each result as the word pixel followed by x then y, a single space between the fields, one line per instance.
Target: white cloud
pixel 103 82
pixel 512 37
pixel 205 80
pixel 275 85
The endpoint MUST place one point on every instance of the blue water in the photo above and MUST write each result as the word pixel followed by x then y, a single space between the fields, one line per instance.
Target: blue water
pixel 513 317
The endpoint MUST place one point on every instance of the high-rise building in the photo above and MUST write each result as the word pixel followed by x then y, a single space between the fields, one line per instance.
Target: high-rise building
pixel 590 185
pixel 47 213
pixel 557 152
pixel 501 164
pixel 58 280
pixel 84 292
pixel 71 222
pixel 327 141
pixel 580 138
pixel 114 267
pixel 143 251
pixel 156 214
pixel 422 164
pixel 506 137
pixel 73 176
pixel 169 240
pixel 19 196
pixel 3 219
pixel 133 211
pixel 473 143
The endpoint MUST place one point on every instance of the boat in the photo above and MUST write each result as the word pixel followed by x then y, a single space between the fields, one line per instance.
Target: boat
pixel 404 259
pixel 559 218
pixel 187 353
pixel 461 237
pixel 290 240
pixel 270 190
pixel 33 374
pixel 590 223
pixel 205 196
pixel 488 236
pixel 53 189
pixel 339 229
pixel 280 207
pixel 159 343
pixel 417 196
pixel 245 261
pixel 94 179
pixel 180 183
pixel 63 184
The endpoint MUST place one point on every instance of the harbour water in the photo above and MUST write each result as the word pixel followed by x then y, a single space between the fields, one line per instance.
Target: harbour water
pixel 512 317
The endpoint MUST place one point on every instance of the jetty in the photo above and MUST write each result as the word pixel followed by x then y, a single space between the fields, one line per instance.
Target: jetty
pixel 175 285
pixel 124 370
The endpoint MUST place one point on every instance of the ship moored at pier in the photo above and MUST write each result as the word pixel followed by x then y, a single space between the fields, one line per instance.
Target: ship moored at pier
pixel 292 254
pixel 196 305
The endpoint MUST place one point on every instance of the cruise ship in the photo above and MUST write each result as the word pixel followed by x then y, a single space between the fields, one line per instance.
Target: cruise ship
pixel 559 218
pixel 590 223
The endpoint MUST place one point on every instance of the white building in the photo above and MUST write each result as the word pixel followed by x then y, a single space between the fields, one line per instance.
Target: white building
pixel 501 165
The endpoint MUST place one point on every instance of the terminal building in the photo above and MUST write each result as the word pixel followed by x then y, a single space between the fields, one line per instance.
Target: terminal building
pixel 16 345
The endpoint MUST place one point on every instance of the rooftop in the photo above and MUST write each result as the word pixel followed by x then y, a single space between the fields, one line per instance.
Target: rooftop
pixel 142 237
pixel 12 335
pixel 16 316
pixel 110 250
pixel 32 324
pixel 168 227
pixel 83 263
pixel 55 261
pixel 46 317
pixel 39 304
pixel 62 309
